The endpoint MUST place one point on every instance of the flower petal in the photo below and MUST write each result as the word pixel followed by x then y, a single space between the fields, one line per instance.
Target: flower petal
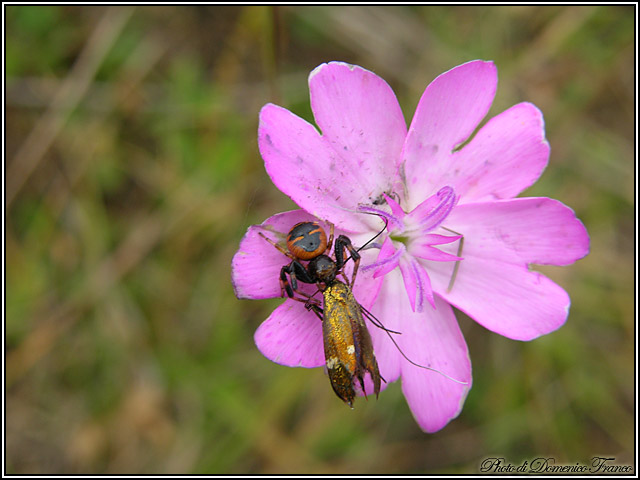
pixel 291 336
pixel 354 161
pixel 431 338
pixel 494 284
pixel 538 230
pixel 307 169
pixel 434 210
pixel 387 260
pixel 386 312
pixel 255 268
pixel 435 239
pixel 427 252
pixel 373 286
pixel 433 398
pixel 450 109
pixel 416 283
pixel 506 156
pixel 396 209
pixel 367 286
pixel 393 223
pixel 360 117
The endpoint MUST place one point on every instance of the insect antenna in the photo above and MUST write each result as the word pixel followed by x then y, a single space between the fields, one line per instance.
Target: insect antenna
pixel 376 322
pixel 379 324
pixel 386 223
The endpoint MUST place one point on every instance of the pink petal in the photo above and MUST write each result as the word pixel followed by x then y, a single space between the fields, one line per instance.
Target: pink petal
pixel 450 109
pixel 388 258
pixel 427 252
pixel 307 169
pixel 431 338
pixel 435 239
pixel 360 117
pixel 368 385
pixel 374 286
pixel 386 312
pixel 494 284
pixel 367 286
pixel 291 336
pixel 434 399
pixel 416 283
pixel 255 268
pixel 392 222
pixel 537 229
pixel 396 209
pixel 507 155
pixel 353 162
pixel 434 210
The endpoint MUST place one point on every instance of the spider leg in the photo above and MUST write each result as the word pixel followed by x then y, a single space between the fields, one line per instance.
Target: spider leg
pixel 341 243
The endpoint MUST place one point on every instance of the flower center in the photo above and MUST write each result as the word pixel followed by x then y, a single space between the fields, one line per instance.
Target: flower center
pixel 410 242
pixel 400 238
pixel 410 233
pixel 407 228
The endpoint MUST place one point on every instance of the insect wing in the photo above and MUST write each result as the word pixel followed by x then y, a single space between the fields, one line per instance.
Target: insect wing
pixel 364 351
pixel 347 343
pixel 339 348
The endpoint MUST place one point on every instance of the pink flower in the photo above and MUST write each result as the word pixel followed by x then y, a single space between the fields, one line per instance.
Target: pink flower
pixel 436 187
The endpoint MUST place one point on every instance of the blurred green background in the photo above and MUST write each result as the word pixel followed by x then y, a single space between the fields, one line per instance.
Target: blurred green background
pixel 133 172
